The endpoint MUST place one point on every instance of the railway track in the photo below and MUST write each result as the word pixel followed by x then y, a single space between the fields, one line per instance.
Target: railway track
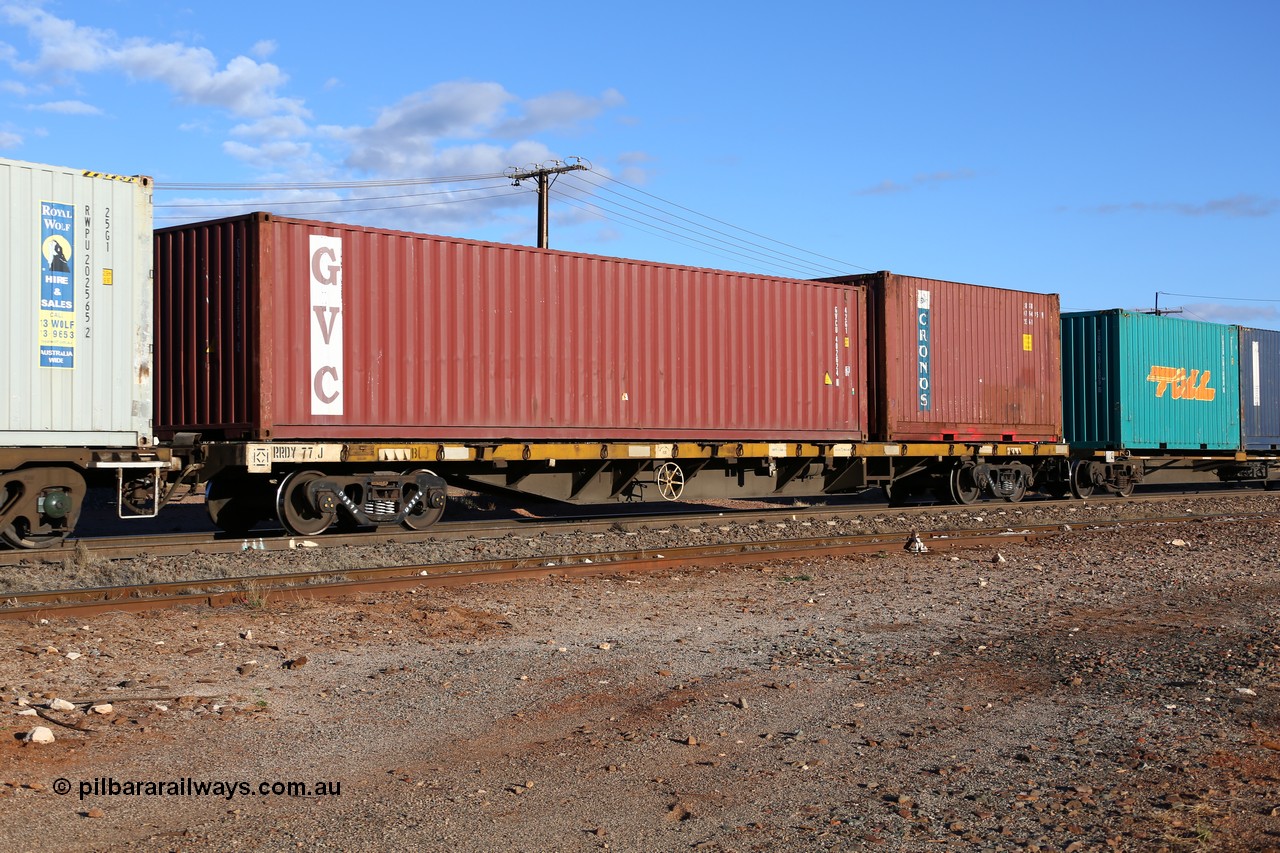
pixel 347 582
pixel 205 542
pixel 343 583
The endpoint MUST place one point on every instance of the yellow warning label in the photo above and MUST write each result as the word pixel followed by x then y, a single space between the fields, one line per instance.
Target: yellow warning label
pixel 1026 343
pixel 826 379
pixel 104 175
pixel 107 276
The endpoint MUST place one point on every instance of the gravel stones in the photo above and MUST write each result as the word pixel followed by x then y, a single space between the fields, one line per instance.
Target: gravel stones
pixel 1102 691
pixel 894 523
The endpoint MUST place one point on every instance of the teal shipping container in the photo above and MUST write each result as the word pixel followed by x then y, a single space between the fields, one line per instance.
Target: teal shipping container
pixel 1148 383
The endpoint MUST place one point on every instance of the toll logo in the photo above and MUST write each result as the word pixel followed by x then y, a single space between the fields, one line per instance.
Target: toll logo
pixel 1181 384
pixel 325 320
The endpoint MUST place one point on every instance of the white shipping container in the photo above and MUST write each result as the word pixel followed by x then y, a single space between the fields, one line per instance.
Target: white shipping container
pixel 76 292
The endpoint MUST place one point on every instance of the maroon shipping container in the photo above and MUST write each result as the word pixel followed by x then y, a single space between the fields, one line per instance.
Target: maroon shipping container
pixel 961 362
pixel 268 327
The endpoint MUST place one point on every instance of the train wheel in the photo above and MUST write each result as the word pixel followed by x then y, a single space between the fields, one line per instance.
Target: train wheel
pixel 1126 490
pixel 423 516
pixel 294 510
pixel 670 481
pixel 1081 479
pixel 964 490
pixel 229 506
pixel 19 534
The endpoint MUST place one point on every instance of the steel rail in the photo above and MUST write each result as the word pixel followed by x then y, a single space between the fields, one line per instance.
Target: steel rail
pixel 343 583
pixel 178 544
pixel 347 582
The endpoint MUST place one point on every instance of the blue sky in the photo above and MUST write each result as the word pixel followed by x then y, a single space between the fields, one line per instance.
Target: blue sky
pixel 1103 151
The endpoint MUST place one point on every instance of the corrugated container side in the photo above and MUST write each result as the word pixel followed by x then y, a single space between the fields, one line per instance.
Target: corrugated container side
pixel 961 362
pixel 1260 388
pixel 1090 371
pixel 76 292
pixel 207 339
pixel 316 330
pixel 1143 382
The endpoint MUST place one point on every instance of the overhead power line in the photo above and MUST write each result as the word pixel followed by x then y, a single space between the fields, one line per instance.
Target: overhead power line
pixel 248 206
pixel 596 195
pixel 1214 298
pixel 738 246
pixel 164 186
pixel 844 265
pixel 665 234
pixel 686 237
pixel 279 203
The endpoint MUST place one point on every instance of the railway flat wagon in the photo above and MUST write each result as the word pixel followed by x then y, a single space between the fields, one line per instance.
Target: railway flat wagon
pixel 298 345
pixel 1143 382
pixel 1260 389
pixel 1143 392
pixel 961 362
pixel 76 389
pixel 970 369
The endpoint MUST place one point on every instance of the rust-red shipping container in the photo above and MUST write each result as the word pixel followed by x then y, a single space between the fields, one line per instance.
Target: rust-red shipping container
pixel 268 327
pixel 961 362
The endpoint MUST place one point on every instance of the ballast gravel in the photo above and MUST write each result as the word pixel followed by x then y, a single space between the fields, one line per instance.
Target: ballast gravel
pixel 1113 690
pixel 84 569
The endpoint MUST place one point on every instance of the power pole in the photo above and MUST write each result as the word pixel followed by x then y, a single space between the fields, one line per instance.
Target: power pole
pixel 543 173
pixel 1159 312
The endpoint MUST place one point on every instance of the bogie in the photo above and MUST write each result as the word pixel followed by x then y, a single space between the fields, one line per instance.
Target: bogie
pixel 309 502
pixel 39 507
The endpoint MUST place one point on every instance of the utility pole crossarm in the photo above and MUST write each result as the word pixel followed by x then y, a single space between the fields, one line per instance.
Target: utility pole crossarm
pixel 542 174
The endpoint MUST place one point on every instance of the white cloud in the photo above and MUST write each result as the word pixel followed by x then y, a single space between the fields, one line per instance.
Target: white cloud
pixel 924 179
pixel 558 111
pixel 263 49
pixel 457 109
pixel 52 35
pixel 1237 206
pixel 406 138
pixel 885 187
pixel 70 108
pixel 272 126
pixel 270 155
pixel 460 127
pixel 1242 313
pixel 244 87
pixel 9 140
pixel 636 167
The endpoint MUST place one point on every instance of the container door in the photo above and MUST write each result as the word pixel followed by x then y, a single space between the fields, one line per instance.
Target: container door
pixel 1260 389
